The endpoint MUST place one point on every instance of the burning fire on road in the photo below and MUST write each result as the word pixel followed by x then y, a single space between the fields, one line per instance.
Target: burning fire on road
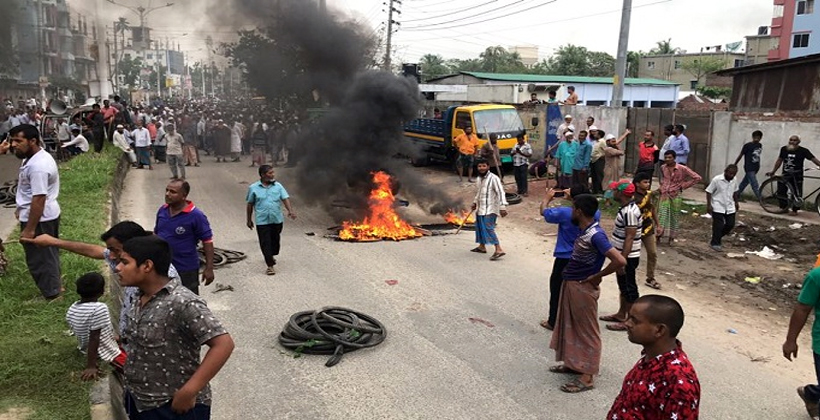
pixel 382 222
pixel 463 217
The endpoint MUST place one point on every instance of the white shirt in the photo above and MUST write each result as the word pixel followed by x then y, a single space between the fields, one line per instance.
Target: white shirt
pixel 490 197
pixel 85 317
pixel 200 128
pixel 174 143
pixel 15 121
pixel 38 176
pixel 667 145
pixel 142 138
pixel 63 134
pixel 723 192
pixel 120 141
pixel 80 141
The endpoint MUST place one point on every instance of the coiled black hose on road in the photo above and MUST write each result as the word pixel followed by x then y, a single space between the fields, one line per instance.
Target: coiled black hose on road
pixel 331 330
pixel 8 193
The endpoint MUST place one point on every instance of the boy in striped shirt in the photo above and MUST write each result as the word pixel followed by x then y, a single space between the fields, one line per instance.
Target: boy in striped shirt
pixel 91 324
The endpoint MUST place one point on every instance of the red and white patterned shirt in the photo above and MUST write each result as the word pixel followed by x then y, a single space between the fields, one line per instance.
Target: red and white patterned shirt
pixel 664 387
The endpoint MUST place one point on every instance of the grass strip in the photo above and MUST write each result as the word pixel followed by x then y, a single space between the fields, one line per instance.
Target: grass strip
pixel 39 361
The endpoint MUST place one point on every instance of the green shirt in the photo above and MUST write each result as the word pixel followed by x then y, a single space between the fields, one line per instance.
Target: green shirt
pixel 810 295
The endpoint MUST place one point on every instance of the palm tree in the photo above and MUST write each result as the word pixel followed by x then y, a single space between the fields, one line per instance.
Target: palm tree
pixel 664 47
pixel 432 66
pixel 121 26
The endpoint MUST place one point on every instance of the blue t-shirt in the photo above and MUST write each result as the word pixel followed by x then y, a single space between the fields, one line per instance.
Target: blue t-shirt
pixel 267 202
pixel 588 254
pixel 583 155
pixel 183 232
pixel 567 232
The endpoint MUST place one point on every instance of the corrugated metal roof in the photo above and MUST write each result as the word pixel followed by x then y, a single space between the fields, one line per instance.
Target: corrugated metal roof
pixel 551 78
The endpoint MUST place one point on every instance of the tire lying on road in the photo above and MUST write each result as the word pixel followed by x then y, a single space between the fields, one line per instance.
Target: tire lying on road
pixel 513 198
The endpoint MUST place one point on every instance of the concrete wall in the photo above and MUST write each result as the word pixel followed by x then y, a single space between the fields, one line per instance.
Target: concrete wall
pixel 611 120
pixel 731 131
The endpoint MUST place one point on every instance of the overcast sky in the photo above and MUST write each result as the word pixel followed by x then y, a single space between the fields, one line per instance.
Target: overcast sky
pixel 454 28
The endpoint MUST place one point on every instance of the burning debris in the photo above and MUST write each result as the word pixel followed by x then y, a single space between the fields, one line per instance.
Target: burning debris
pixel 463 217
pixel 382 221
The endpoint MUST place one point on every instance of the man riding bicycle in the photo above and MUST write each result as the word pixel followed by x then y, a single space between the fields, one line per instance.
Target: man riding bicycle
pixel 792 157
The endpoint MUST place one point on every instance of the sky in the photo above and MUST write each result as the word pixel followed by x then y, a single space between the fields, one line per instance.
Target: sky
pixel 464 28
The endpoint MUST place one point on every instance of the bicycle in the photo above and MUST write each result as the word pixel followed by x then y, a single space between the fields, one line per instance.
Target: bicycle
pixel 778 196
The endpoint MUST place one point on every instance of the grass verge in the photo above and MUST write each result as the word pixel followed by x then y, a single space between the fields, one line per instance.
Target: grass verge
pixel 39 362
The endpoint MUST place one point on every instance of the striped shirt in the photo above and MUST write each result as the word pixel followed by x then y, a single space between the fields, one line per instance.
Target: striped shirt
pixel 588 254
pixel 84 317
pixel 629 216
pixel 490 197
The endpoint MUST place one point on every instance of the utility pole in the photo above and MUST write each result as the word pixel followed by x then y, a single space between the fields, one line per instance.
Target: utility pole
pixel 116 62
pixel 156 60
pixel 388 63
pixel 620 63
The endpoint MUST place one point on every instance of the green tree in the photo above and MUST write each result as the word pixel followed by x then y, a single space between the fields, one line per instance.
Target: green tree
pixel 472 64
pixel 574 60
pixel 699 68
pixel 433 66
pixel 715 92
pixel 498 60
pixel 130 70
pixel 633 63
pixel 153 79
pixel 664 47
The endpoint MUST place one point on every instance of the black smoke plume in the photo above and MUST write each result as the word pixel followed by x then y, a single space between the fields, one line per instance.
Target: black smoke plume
pixel 302 54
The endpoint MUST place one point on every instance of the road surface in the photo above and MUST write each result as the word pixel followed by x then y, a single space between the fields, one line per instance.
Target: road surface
pixel 435 363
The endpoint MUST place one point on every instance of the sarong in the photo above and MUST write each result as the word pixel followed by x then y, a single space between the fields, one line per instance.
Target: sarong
pixel 668 214
pixel 259 156
pixel 144 156
pixel 189 152
pixel 485 230
pixel 577 336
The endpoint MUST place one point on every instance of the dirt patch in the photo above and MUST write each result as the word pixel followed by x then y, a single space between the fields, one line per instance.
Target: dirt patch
pixel 16 413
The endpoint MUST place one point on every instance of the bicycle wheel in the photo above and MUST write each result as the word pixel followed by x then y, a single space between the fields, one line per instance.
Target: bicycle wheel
pixel 776 195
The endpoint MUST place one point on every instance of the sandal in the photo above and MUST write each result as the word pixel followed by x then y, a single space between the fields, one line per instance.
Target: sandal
pixel 653 284
pixel 575 386
pixel 610 318
pixel 620 326
pixel 563 369
pixel 497 255
pixel 479 250
pixel 546 324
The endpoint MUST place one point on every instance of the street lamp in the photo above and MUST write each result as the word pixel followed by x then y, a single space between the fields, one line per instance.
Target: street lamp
pixel 142 12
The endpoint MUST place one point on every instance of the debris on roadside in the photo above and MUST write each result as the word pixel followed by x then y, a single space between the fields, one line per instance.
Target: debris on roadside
pixel 753 280
pixel 795 226
pixel 223 287
pixel 766 253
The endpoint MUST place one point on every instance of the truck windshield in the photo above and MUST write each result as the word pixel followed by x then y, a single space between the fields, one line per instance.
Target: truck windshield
pixel 498 121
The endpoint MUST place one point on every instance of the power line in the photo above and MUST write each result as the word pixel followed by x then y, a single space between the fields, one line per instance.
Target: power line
pixel 470 17
pixel 450 12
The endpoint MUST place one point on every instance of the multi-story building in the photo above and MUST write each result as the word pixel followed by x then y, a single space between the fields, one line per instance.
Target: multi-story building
pixel 795 29
pixel 676 68
pixel 758 46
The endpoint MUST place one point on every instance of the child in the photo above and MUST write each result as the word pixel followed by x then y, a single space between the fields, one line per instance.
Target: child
pixel 91 324
pixel 164 332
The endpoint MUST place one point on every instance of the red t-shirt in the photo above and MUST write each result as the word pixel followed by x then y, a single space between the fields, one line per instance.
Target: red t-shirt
pixel 646 154
pixel 664 387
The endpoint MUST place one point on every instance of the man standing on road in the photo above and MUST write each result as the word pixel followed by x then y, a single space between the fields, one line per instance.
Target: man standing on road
pixel 174 144
pixel 808 300
pixel 142 142
pixel 676 179
pixel 663 384
pixel 521 162
pixel 567 150
pixel 564 127
pixel 266 197
pixel 490 201
pixel 647 154
pixel 680 145
pixel 597 160
pixel 645 198
pixel 222 141
pixel 467 145
pixel 626 238
pixel 792 157
pixel 721 203
pixel 183 225
pixel 38 211
pixel 667 144
pixel 577 336
pixel 580 168
pixel 97 122
pixel 568 232
pixel 750 153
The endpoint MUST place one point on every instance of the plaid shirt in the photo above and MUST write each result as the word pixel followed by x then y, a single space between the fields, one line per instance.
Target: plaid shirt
pixel 676 179
pixel 164 338
pixel 519 159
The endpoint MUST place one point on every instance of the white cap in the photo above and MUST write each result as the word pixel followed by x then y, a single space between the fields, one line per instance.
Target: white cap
pixel 609 137
pixel 571 127
pixel 567 116
pixel 120 126
pixel 592 127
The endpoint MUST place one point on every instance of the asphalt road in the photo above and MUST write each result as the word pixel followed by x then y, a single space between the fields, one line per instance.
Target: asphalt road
pixel 435 363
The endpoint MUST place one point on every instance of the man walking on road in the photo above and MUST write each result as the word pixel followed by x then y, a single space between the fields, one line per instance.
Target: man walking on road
pixel 521 162
pixel 792 158
pixel 467 145
pixel 676 179
pixel 750 153
pixel 266 198
pixel 183 225
pixel 577 336
pixel 142 142
pixel 721 203
pixel 808 300
pixel 173 151
pixel 663 384
pixel 490 201
pixel 37 208
pixel 568 232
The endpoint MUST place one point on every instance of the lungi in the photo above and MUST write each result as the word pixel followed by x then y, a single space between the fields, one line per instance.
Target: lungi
pixel 668 214
pixel 144 156
pixel 485 230
pixel 189 153
pixel 577 336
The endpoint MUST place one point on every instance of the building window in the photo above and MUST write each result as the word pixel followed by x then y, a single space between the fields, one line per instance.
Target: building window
pixel 149 56
pixel 693 84
pixel 677 64
pixel 650 65
pixel 805 7
pixel 800 41
pixel 739 62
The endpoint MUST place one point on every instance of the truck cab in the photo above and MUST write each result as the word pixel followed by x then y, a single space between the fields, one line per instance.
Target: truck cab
pixel 432 139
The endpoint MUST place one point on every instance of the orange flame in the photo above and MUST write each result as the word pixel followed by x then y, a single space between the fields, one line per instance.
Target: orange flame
pixel 463 217
pixel 382 221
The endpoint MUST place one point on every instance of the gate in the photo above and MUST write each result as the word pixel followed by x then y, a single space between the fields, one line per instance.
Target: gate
pixel 698 129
